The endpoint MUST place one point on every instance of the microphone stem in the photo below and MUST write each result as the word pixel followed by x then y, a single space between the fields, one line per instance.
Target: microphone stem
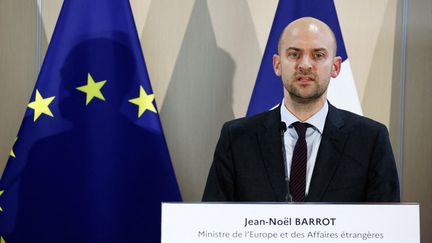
pixel 288 195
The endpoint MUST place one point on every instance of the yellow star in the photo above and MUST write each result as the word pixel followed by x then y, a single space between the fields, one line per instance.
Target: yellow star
pixel 12 154
pixel 144 102
pixel 92 89
pixel 1 193
pixel 40 105
pixel 2 240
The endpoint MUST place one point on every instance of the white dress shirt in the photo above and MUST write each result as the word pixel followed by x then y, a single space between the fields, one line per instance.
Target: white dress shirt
pixel 313 138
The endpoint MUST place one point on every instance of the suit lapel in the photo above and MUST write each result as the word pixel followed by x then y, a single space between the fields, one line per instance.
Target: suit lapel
pixel 329 153
pixel 270 143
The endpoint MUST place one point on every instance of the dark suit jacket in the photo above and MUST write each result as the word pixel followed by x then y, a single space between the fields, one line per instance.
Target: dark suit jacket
pixel 355 162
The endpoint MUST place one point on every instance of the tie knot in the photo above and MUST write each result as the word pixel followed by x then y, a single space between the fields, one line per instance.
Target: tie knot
pixel 301 127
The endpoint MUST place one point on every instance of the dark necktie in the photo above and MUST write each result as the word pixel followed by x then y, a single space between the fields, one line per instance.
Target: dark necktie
pixel 297 182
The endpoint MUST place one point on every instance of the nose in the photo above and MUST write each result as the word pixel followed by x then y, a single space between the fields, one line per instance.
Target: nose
pixel 305 63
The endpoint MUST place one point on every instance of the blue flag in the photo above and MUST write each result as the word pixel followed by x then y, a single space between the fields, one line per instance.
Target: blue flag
pixel 268 90
pixel 90 162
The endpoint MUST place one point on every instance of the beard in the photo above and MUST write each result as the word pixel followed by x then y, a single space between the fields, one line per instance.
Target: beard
pixel 309 93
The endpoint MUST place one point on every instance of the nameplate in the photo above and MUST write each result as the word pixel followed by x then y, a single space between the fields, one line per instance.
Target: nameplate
pixel 307 223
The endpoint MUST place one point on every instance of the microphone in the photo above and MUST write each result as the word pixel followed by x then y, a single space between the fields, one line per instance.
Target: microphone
pixel 282 129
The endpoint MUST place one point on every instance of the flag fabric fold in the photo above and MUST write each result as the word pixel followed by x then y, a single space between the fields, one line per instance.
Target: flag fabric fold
pixel 268 89
pixel 90 162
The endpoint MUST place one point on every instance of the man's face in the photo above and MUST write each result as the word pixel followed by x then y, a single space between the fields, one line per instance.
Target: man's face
pixel 306 61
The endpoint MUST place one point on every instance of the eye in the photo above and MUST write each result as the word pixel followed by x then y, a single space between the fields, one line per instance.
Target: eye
pixel 319 55
pixel 293 55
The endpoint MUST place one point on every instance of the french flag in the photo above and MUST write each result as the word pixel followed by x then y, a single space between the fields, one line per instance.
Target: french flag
pixel 268 90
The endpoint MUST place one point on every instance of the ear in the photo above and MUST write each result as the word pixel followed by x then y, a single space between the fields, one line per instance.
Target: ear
pixel 336 67
pixel 277 65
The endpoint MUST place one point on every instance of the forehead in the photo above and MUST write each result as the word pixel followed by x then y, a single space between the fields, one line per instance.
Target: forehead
pixel 308 37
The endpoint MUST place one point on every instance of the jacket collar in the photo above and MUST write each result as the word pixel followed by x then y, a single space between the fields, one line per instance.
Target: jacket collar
pixel 270 142
pixel 329 154
pixel 328 158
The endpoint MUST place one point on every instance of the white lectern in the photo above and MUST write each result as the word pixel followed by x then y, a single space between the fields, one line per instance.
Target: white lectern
pixel 307 223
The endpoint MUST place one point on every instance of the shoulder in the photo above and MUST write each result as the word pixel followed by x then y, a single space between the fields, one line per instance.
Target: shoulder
pixel 353 122
pixel 253 123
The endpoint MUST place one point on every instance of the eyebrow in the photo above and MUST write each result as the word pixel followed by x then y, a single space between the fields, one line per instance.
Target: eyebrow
pixel 320 49
pixel 298 49
pixel 293 48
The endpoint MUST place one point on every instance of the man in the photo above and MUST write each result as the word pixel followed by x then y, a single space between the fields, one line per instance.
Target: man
pixel 325 154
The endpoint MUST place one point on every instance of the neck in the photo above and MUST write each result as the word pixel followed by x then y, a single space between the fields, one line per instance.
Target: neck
pixel 304 110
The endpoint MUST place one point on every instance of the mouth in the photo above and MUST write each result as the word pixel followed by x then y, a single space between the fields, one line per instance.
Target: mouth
pixel 305 79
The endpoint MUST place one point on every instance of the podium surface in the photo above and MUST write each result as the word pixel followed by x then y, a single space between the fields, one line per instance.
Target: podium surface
pixel 308 223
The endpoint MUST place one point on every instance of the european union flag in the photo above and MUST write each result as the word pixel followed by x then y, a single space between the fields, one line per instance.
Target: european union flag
pixel 268 90
pixel 90 162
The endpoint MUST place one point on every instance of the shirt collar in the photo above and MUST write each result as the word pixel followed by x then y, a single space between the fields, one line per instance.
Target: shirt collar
pixel 317 120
